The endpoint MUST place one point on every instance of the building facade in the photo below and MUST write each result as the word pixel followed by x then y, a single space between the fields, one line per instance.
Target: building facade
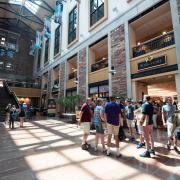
pixel 124 48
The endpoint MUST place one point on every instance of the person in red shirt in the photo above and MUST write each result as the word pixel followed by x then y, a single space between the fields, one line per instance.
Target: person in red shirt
pixel 85 122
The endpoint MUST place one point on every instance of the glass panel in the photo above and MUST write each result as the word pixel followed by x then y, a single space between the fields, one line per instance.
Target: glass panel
pixel 93 90
pixel 104 88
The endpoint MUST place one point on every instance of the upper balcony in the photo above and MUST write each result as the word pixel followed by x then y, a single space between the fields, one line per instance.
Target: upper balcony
pixel 99 65
pixel 165 40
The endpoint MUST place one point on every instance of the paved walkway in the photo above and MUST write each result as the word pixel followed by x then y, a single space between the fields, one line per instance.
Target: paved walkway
pixel 49 150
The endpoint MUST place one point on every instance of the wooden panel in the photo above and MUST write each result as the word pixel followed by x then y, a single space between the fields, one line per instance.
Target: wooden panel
pixel 26 92
pixel 170 52
pixel 98 76
pixel 70 84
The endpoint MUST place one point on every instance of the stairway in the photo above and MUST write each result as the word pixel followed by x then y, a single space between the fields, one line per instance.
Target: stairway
pixel 6 96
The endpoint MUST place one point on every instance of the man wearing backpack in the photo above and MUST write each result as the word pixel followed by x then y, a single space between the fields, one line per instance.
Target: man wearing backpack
pixel 13 117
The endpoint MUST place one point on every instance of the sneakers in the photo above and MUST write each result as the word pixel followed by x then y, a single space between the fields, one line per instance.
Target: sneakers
pixel 118 155
pixel 146 154
pixel 132 139
pixel 85 146
pixel 151 151
pixel 176 150
pixel 108 153
pixel 140 145
pixel 95 148
pixel 168 146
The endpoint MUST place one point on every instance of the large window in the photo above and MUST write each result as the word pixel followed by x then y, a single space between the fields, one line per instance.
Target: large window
pixel 46 51
pixel 72 25
pixel 39 59
pixel 96 11
pixel 57 40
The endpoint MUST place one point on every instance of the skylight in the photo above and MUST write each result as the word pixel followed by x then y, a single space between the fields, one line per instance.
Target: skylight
pixel 33 7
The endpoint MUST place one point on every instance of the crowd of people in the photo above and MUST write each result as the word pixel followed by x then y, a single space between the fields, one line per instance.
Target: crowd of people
pixel 14 114
pixel 108 117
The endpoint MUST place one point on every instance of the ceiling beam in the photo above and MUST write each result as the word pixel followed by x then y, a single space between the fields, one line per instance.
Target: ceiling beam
pixel 40 23
pixel 47 9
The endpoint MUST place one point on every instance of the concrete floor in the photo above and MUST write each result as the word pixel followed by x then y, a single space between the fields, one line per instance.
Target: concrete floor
pixel 50 150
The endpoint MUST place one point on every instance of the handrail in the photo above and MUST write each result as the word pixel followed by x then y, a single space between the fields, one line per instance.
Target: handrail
pixel 12 92
pixel 154 44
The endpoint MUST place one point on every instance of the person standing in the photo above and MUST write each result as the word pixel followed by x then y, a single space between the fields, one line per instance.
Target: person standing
pixel 85 122
pixel 147 126
pixel 98 120
pixel 7 110
pixel 130 119
pixel 168 117
pixel 138 116
pixel 13 117
pixel 21 116
pixel 112 116
pixel 177 129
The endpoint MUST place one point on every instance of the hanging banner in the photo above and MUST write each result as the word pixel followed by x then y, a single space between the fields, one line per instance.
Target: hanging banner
pixel 38 40
pixel 47 28
pixel 32 49
pixel 58 12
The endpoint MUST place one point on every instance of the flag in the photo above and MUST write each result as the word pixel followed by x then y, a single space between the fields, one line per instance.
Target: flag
pixel 47 28
pixel 38 40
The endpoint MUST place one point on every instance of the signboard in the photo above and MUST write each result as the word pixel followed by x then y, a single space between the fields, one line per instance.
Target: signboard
pixel 151 63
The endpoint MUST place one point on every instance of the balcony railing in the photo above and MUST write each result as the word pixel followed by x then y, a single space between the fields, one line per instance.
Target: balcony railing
pixel 24 84
pixel 99 65
pixel 73 75
pixel 45 87
pixel 154 44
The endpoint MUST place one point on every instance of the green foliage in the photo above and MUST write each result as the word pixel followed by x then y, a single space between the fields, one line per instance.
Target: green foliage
pixel 69 103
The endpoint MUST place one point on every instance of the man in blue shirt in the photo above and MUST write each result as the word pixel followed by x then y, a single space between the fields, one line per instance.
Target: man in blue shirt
pixel 147 126
pixel 113 115
pixel 129 109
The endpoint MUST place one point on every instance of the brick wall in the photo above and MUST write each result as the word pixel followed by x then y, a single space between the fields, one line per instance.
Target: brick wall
pixel 119 80
pixel 23 62
pixel 82 73
pixel 62 79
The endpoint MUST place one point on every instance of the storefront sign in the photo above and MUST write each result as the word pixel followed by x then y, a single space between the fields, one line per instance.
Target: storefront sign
pixel 152 63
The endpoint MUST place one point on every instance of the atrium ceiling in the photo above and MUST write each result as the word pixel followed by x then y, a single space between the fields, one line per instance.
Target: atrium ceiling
pixel 25 16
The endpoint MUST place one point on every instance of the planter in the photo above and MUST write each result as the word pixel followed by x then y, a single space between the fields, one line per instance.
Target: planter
pixel 69 117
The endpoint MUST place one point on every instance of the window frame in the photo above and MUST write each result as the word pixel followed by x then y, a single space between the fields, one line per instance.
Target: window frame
pixel 72 23
pixel 46 53
pixel 100 20
pixel 57 39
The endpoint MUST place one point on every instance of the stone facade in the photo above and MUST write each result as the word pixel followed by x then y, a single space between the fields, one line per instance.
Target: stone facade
pixel 82 73
pixel 62 80
pixel 119 80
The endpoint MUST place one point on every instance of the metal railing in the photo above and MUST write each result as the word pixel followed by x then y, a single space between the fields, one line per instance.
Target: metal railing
pixel 12 93
pixel 23 84
pixel 73 75
pixel 154 44
pixel 99 65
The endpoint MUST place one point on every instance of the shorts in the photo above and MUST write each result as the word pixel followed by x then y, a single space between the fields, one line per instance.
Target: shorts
pixel 85 127
pixel 139 129
pixel 112 129
pixel 130 123
pixel 99 129
pixel 170 129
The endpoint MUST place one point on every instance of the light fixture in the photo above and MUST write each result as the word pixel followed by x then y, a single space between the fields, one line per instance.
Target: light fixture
pixel 2 42
pixel 112 70
pixel 138 43
pixel 103 58
pixel 3 39
pixel 164 32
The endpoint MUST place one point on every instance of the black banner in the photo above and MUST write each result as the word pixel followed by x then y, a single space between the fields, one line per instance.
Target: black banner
pixel 149 64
